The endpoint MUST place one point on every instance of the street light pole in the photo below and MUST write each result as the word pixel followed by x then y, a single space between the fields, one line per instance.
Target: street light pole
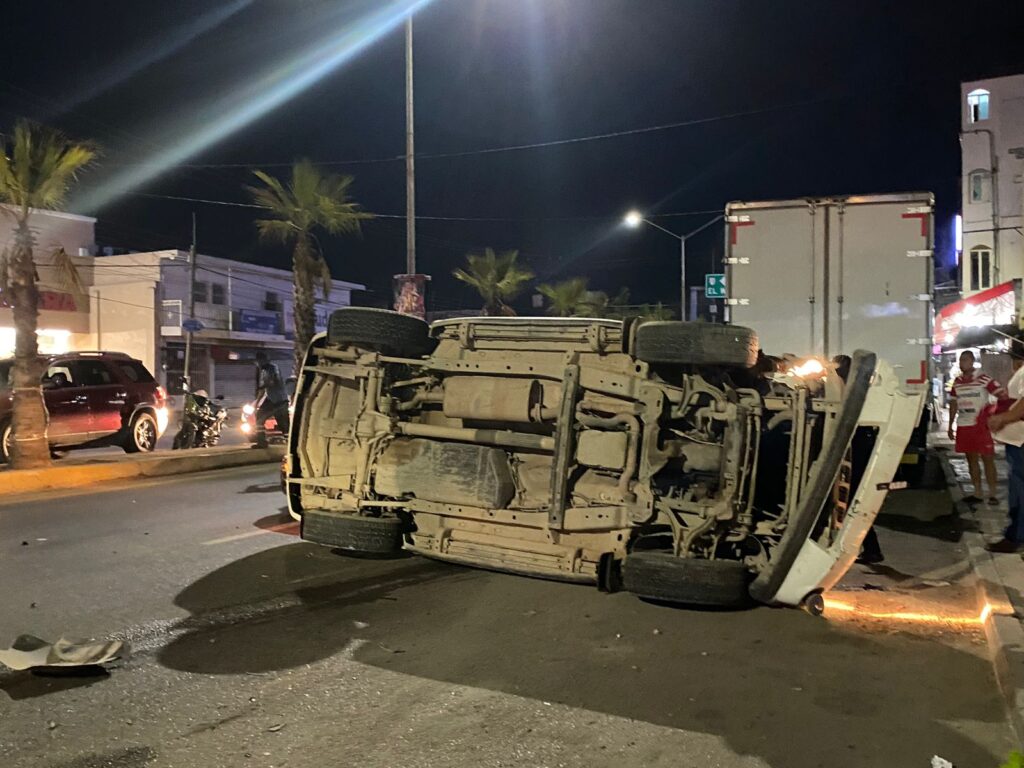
pixel 410 163
pixel 191 305
pixel 682 278
pixel 635 219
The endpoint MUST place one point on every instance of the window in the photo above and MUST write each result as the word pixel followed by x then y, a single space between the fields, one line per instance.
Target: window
pixel 272 302
pixel 981 268
pixel 977 105
pixel 135 372
pixel 216 293
pixel 90 373
pixel 979 184
pixel 199 292
pixel 59 375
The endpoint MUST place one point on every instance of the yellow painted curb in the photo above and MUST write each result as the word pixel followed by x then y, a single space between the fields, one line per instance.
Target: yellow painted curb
pixel 159 464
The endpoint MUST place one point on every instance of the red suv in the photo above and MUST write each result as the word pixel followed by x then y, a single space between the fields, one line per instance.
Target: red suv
pixel 94 399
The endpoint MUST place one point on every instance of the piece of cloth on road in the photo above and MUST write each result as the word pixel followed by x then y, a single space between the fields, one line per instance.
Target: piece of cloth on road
pixel 29 651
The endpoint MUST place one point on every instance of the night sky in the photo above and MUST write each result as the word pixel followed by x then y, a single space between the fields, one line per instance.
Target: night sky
pixel 794 98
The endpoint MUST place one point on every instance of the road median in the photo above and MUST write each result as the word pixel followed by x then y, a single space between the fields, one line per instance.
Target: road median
pixel 72 473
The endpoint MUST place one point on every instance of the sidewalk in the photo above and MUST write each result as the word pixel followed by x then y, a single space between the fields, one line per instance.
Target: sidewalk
pixel 1000 576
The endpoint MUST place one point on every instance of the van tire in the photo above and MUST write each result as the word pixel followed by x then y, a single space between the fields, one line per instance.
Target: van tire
pixel 665 577
pixel 677 343
pixel 351 533
pixel 380 330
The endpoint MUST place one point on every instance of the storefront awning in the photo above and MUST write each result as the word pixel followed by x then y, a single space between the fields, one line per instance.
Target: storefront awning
pixel 994 306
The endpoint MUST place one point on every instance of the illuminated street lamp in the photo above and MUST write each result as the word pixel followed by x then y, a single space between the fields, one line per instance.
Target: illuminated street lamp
pixel 634 219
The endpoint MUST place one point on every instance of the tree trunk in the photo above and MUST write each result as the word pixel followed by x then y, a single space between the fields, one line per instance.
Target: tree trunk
pixel 304 300
pixel 30 447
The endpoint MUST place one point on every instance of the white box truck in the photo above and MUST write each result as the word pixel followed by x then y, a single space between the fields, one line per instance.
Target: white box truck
pixel 826 276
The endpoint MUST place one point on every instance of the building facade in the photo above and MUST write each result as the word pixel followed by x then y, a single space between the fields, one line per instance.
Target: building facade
pixel 138 303
pixel 63 317
pixel 992 155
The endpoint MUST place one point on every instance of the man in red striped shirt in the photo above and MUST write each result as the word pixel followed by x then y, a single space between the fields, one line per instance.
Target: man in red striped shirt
pixel 969 408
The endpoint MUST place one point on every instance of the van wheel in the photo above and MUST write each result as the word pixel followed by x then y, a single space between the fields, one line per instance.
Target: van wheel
pixel 142 434
pixel 380 329
pixel 359 535
pixel 677 343
pixel 688 581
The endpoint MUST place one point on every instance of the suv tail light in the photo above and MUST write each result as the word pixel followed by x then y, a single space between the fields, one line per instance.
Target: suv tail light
pixel 161 394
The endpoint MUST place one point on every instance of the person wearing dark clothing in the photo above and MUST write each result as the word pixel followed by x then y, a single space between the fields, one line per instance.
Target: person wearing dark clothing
pixel 275 402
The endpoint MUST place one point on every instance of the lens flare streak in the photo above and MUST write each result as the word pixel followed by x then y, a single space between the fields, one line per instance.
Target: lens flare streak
pixel 843 607
pixel 250 101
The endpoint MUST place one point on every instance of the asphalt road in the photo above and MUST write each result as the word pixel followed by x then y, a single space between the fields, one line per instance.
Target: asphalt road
pixel 255 649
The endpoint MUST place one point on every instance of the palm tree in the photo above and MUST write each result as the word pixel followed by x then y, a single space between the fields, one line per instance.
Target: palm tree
pixel 38 167
pixel 311 200
pixel 497 277
pixel 568 298
pixel 654 312
pixel 600 304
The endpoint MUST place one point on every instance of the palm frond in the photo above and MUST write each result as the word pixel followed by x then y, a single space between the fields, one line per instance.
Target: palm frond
pixel 566 298
pixel 38 166
pixel 67 273
pixel 277 230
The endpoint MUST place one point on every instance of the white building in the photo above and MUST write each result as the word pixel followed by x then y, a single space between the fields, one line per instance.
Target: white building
pixel 992 152
pixel 137 303
pixel 63 317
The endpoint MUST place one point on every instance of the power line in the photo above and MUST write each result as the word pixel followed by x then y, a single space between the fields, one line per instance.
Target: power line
pixel 519 147
pixel 233 204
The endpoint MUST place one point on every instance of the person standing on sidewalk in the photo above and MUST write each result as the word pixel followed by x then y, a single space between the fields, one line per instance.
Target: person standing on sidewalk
pixel 1008 428
pixel 969 408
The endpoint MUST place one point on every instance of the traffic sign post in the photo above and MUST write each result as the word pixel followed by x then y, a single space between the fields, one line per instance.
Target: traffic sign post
pixel 714 286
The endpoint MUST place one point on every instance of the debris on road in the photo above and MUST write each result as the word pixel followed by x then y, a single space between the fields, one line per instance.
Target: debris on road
pixel 28 651
pixel 941 762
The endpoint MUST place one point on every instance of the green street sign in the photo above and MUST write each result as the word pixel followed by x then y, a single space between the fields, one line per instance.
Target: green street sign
pixel 714 286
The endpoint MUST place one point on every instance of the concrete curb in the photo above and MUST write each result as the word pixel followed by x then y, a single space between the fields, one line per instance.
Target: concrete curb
pixel 1003 629
pixel 65 475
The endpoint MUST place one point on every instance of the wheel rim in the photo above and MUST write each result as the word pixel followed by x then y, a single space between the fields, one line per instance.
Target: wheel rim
pixel 5 436
pixel 145 434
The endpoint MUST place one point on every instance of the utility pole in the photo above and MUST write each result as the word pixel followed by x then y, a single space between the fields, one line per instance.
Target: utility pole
pixel 410 163
pixel 191 303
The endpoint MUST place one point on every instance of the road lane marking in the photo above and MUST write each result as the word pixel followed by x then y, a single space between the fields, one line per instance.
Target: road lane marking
pixel 282 528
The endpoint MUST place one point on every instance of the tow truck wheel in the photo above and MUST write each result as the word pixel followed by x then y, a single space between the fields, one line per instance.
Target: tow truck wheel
pixel 664 577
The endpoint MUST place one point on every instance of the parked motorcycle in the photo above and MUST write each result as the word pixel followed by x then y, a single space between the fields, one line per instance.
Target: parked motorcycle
pixel 201 421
